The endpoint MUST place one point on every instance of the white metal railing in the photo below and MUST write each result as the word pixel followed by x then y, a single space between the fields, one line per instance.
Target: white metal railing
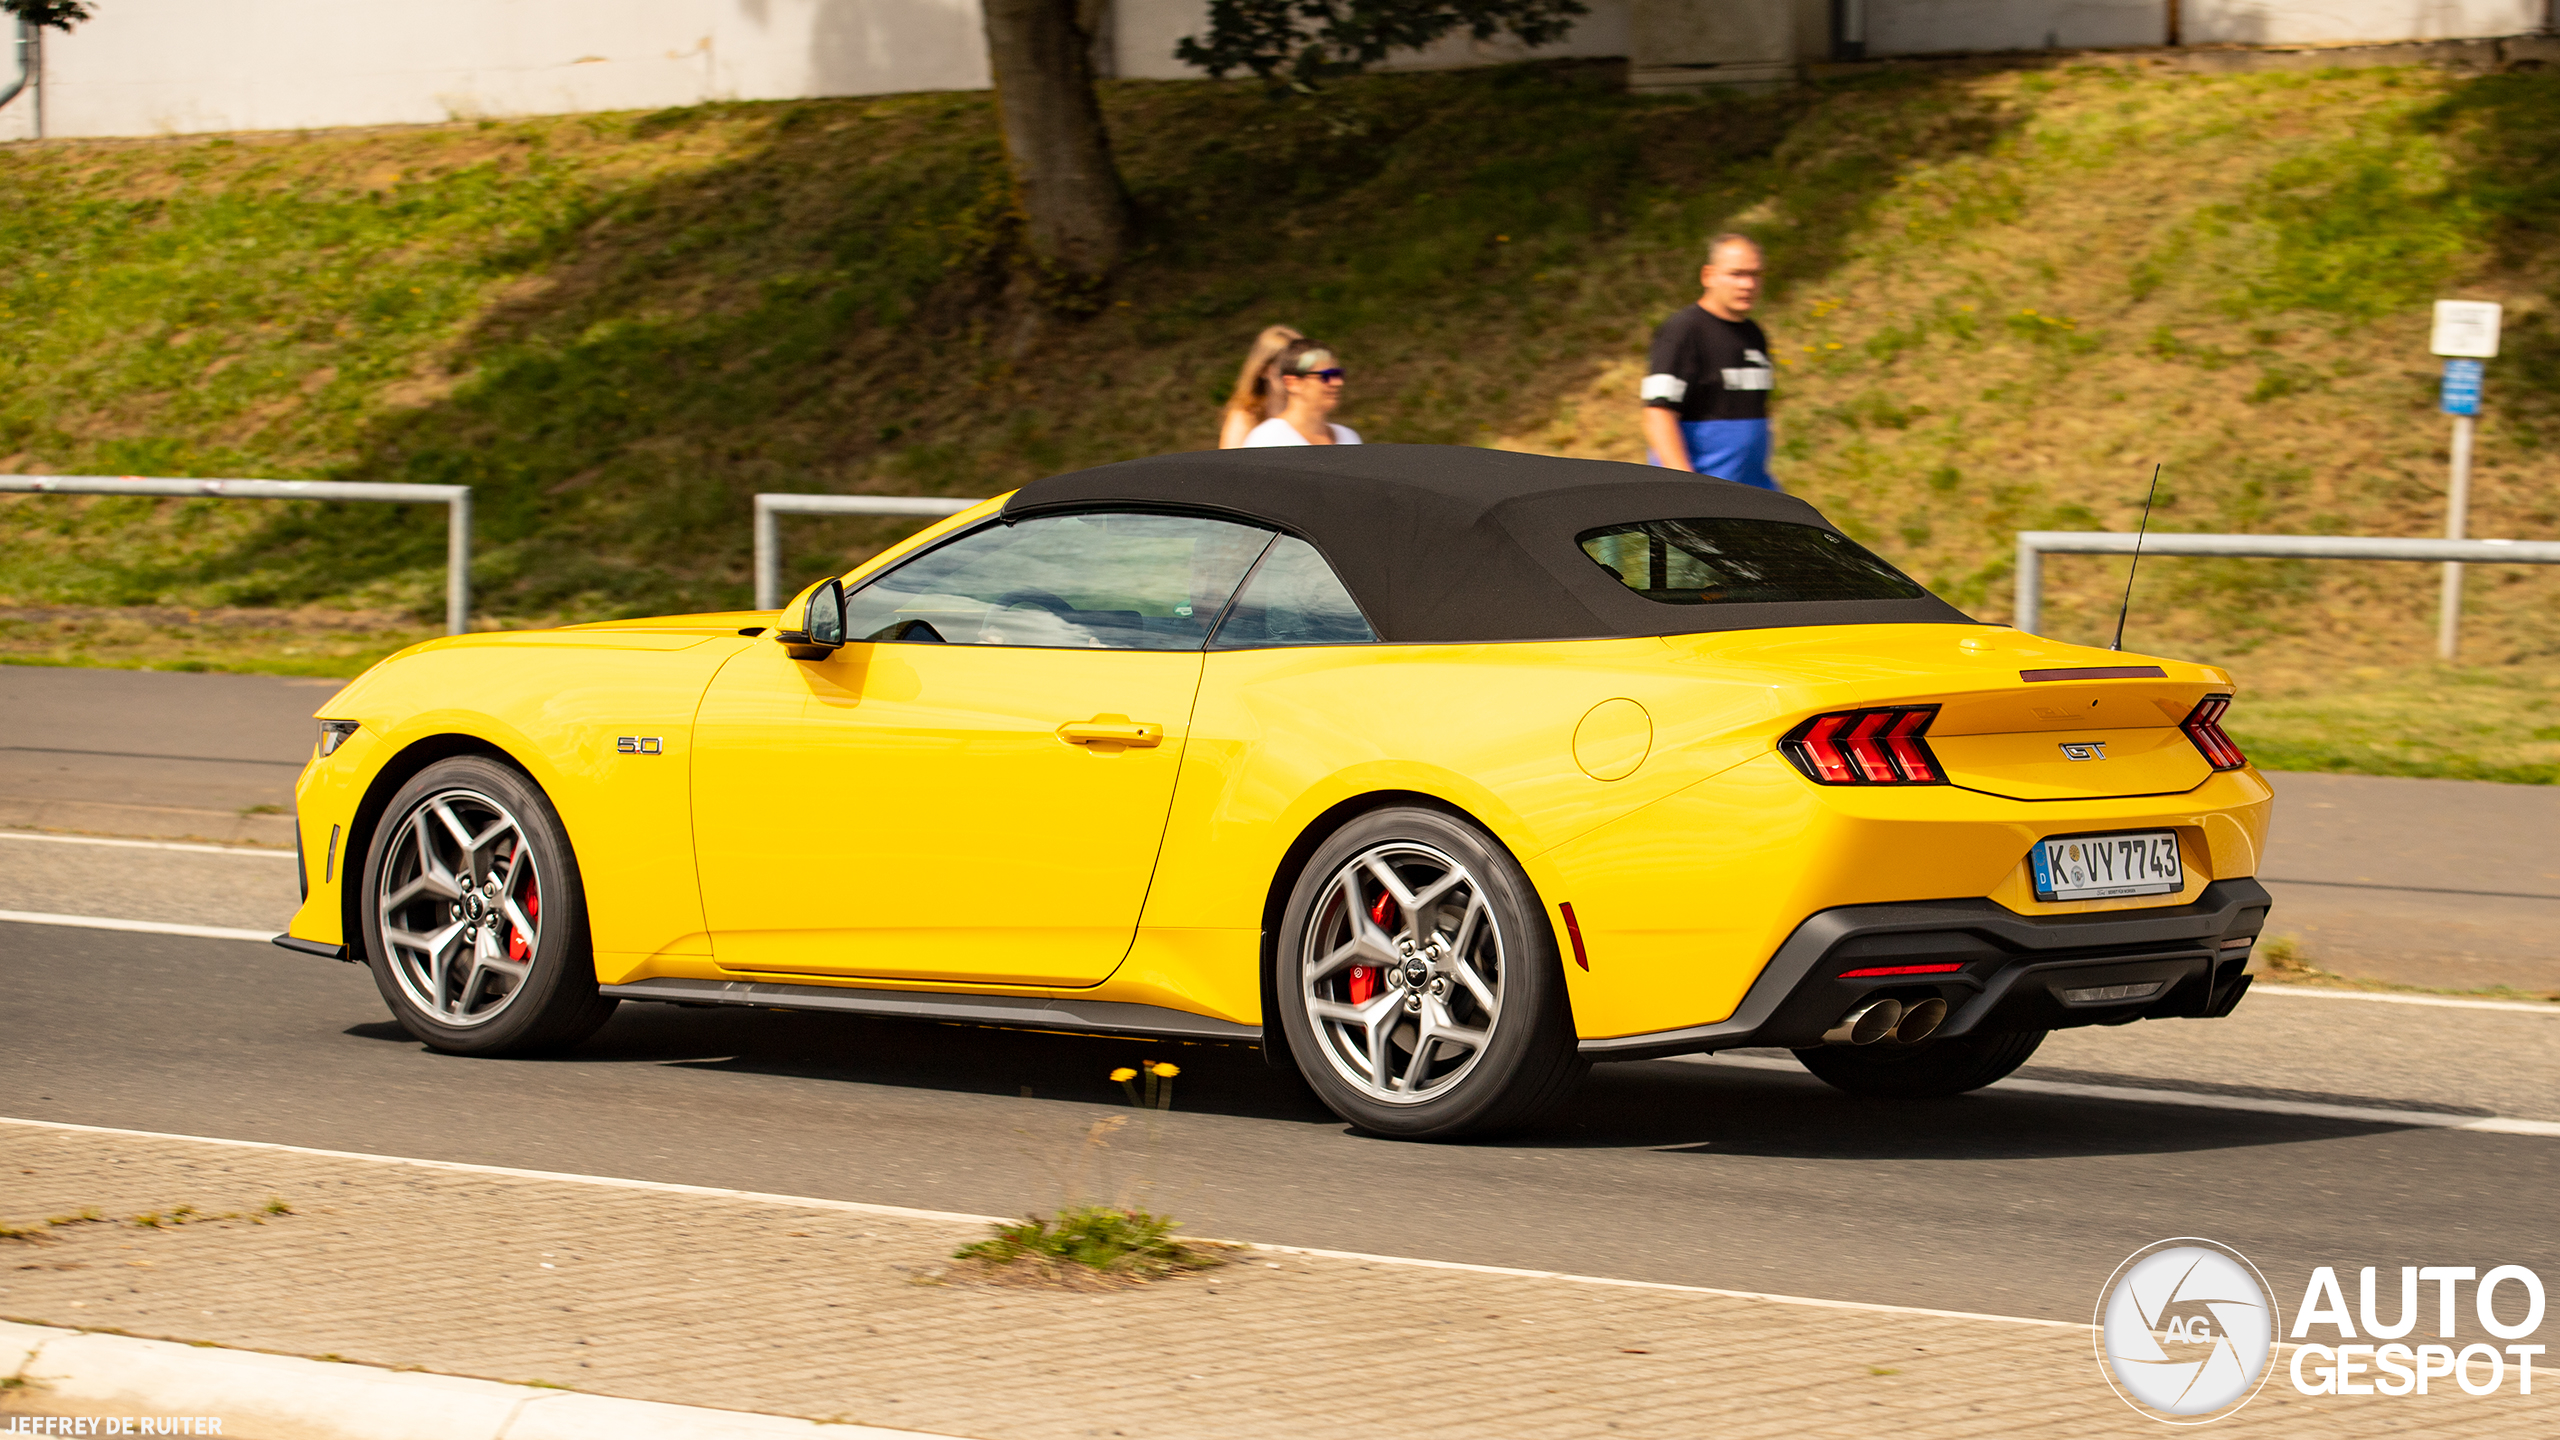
pixel 455 498
pixel 769 530
pixel 2034 545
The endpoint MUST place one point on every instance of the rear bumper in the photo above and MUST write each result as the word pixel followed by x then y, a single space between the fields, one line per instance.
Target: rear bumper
pixel 2015 969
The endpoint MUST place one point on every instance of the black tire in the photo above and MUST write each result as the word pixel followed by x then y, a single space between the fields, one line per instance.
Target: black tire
pixel 1928 1070
pixel 533 991
pixel 1523 1060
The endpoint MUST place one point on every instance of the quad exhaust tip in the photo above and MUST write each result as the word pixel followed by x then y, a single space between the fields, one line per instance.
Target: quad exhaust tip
pixel 1866 1024
pixel 1920 1021
pixel 1888 1020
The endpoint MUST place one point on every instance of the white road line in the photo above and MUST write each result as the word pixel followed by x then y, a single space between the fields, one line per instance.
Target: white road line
pixel 139 927
pixel 146 844
pixel 855 1207
pixel 2423 1119
pixel 2308 992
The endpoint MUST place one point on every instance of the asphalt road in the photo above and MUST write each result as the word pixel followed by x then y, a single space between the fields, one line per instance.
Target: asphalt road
pixel 143 737
pixel 2448 883
pixel 1695 1173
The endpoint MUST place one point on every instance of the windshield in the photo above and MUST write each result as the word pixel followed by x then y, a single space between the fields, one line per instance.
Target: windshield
pixel 1743 562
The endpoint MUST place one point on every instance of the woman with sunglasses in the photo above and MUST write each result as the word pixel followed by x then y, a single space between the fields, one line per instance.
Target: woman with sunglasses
pixel 1311 378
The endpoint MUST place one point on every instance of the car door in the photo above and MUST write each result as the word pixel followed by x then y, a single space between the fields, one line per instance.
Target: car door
pixel 975 788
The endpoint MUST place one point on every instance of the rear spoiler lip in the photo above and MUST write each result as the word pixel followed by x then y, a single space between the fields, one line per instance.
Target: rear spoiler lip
pixel 2095 672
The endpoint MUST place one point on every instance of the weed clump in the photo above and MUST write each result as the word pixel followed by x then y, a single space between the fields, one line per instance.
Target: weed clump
pixel 1085 1244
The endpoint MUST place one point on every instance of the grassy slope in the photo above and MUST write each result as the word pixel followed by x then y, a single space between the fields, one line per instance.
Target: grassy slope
pixel 2001 298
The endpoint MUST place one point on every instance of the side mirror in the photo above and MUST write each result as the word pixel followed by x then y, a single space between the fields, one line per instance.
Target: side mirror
pixel 826 615
pixel 812 626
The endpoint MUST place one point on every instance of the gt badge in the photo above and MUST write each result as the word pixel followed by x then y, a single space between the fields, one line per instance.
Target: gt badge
pixel 2084 750
pixel 640 745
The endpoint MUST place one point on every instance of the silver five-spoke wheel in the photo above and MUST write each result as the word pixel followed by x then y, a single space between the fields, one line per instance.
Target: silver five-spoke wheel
pixel 459 907
pixel 1403 972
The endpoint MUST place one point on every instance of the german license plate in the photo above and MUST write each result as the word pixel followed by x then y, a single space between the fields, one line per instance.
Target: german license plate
pixel 2102 867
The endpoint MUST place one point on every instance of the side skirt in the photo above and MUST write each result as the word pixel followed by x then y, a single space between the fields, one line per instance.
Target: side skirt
pixel 1039 1012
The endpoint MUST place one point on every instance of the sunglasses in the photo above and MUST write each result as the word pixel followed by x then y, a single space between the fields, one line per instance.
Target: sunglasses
pixel 1332 374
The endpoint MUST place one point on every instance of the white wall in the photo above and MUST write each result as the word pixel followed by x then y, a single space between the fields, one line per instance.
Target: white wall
pixel 156 67
pixel 159 67
pixel 1918 27
pixel 151 67
pixel 2312 22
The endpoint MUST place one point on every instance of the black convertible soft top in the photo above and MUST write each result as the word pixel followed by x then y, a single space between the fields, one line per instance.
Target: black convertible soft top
pixel 1448 544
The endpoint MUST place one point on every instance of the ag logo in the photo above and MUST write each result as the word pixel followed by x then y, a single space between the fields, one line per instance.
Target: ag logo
pixel 2185 1330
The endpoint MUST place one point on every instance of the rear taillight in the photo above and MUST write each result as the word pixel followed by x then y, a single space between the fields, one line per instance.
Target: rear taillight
pixel 1867 747
pixel 2204 726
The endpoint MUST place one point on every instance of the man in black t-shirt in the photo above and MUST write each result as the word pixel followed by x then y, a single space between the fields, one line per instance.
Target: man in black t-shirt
pixel 1706 387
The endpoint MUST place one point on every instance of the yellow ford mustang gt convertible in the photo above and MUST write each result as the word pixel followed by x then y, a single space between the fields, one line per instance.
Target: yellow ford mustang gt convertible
pixel 1439 773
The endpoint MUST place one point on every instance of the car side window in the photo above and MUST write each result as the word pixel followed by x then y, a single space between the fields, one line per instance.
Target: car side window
pixel 1103 581
pixel 1293 598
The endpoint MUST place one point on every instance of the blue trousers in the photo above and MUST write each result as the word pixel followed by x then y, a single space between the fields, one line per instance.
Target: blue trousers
pixel 1736 450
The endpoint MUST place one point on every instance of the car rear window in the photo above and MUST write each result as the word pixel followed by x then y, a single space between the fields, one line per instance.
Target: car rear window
pixel 1742 562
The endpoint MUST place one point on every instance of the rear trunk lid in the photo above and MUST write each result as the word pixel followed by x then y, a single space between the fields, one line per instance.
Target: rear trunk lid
pixel 2018 716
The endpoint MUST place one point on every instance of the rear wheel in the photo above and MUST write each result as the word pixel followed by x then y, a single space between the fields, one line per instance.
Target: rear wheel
pixel 1917 1072
pixel 474 921
pixel 1419 985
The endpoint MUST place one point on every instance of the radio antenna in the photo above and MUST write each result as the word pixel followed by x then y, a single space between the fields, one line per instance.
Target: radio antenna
pixel 2127 607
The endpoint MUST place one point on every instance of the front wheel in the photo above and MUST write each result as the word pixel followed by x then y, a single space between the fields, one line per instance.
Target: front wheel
pixel 474 921
pixel 1928 1070
pixel 1419 984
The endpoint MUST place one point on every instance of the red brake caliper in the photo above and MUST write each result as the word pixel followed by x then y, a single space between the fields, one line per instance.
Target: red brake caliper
pixel 517 946
pixel 1364 979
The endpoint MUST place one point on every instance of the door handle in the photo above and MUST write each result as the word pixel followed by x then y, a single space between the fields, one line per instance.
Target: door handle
pixel 1112 730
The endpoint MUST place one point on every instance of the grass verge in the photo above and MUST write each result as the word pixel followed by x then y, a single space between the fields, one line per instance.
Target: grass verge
pixel 2280 962
pixel 2443 722
pixel 310 640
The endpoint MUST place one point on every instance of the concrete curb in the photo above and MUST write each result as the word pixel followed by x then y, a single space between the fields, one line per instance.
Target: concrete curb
pixel 146 822
pixel 285 1397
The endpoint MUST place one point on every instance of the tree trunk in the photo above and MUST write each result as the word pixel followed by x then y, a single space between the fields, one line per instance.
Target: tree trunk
pixel 1077 214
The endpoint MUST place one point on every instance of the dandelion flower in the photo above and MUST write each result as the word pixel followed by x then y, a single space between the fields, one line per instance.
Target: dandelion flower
pixel 1165 1072
pixel 1124 1074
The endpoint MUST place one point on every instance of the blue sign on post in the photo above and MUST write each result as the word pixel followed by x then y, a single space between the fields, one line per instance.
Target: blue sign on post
pixel 2461 395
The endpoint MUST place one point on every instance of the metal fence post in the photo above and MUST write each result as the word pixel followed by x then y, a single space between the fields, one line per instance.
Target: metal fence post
pixel 768 556
pixel 457 563
pixel 2028 611
pixel 2457 516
